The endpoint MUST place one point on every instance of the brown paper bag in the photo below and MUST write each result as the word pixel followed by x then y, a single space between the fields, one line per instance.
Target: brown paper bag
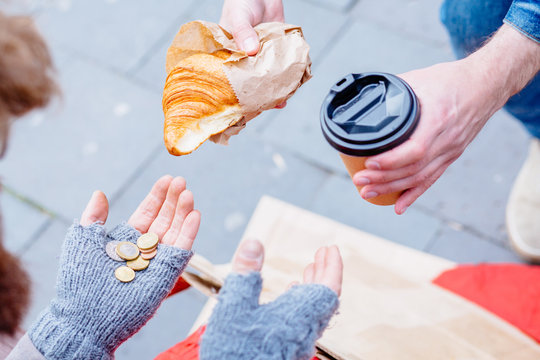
pixel 260 82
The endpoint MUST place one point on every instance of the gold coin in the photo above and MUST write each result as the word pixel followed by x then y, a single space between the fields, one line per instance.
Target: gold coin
pixel 147 241
pixel 124 274
pixel 127 250
pixel 148 255
pixel 138 264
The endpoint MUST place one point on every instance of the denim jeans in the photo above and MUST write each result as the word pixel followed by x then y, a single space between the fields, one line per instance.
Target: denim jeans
pixel 471 22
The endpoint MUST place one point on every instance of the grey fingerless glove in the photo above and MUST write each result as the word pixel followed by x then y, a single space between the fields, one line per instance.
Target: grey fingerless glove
pixel 93 312
pixel 286 328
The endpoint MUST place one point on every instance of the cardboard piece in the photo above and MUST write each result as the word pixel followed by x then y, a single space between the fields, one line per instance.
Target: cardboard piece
pixel 389 307
pixel 260 82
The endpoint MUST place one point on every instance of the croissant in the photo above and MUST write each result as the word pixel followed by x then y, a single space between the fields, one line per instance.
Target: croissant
pixel 198 102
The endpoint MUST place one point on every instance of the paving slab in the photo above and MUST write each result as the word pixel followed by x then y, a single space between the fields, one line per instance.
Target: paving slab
pixel 474 190
pixel 170 325
pixel 41 261
pixel 114 33
pixel 419 19
pixel 227 183
pixel 319 27
pixel 102 130
pixel 364 47
pixel 463 247
pixel 338 199
pixel 20 222
pixel 341 5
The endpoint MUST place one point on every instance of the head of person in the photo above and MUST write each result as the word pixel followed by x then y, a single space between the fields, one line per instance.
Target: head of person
pixel 26 82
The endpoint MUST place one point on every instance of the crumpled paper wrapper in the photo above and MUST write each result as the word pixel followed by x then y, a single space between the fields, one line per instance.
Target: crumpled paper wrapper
pixel 260 82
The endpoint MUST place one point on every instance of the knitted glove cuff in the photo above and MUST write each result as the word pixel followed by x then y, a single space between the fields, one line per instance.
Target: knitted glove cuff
pixel 55 340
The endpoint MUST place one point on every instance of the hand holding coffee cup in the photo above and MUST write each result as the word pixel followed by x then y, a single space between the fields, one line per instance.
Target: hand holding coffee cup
pixel 368 114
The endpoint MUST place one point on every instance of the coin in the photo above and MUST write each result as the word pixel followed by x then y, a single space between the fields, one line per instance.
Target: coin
pixel 138 264
pixel 124 274
pixel 110 249
pixel 127 250
pixel 149 255
pixel 147 241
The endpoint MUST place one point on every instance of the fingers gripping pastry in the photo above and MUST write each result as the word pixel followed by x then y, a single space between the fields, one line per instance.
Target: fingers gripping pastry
pixel 198 102
pixel 213 88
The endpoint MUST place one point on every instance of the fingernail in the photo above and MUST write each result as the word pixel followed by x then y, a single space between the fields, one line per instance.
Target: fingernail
pixel 251 250
pixel 361 181
pixel 250 45
pixel 403 210
pixel 370 195
pixel 373 165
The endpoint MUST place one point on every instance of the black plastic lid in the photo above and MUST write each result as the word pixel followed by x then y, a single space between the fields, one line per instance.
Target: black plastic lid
pixel 370 113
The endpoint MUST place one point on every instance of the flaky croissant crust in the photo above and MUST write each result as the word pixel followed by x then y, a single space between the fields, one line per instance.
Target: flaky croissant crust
pixel 196 88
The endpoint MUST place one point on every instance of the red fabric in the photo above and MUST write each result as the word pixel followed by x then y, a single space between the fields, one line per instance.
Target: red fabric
pixel 180 285
pixel 510 291
pixel 187 349
pixel 184 350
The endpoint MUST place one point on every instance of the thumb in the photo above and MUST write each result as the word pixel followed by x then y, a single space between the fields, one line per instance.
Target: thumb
pixel 246 37
pixel 248 257
pixel 97 209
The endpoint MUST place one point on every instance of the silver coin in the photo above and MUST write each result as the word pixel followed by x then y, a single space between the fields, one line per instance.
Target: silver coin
pixel 110 249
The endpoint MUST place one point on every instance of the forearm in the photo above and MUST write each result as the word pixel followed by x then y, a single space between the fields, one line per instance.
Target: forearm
pixel 506 64
pixel 25 350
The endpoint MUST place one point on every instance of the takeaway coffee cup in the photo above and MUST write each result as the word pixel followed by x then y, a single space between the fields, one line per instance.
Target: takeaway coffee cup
pixel 367 114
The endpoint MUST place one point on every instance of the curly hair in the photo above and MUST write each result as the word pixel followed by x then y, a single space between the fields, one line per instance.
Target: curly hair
pixel 26 83
pixel 26 70
pixel 14 292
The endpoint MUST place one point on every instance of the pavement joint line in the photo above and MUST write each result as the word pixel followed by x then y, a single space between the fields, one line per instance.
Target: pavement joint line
pixel 88 59
pixel 26 200
pixel 35 236
pixel 301 157
pixel 427 248
pixel 447 221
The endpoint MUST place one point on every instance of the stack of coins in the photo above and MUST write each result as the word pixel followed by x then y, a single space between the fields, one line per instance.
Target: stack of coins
pixel 137 257
pixel 147 244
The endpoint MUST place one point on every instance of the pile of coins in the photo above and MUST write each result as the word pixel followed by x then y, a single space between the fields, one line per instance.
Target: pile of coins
pixel 137 257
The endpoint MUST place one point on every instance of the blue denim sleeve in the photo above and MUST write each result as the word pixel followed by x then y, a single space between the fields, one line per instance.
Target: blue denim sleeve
pixel 524 16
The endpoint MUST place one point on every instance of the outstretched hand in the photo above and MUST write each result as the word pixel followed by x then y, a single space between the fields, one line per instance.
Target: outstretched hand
pixel 167 211
pixel 93 311
pixel 286 328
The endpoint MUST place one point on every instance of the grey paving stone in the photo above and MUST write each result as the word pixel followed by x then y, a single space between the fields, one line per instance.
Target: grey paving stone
pixel 341 5
pixel 338 199
pixel 227 183
pixel 473 191
pixel 20 222
pixel 463 247
pixel 41 261
pixel 416 18
pixel 364 47
pixel 114 33
pixel 319 27
pixel 170 325
pixel 103 129
pixel 152 72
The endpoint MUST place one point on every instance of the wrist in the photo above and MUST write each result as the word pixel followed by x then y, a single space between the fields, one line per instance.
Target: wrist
pixel 505 65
